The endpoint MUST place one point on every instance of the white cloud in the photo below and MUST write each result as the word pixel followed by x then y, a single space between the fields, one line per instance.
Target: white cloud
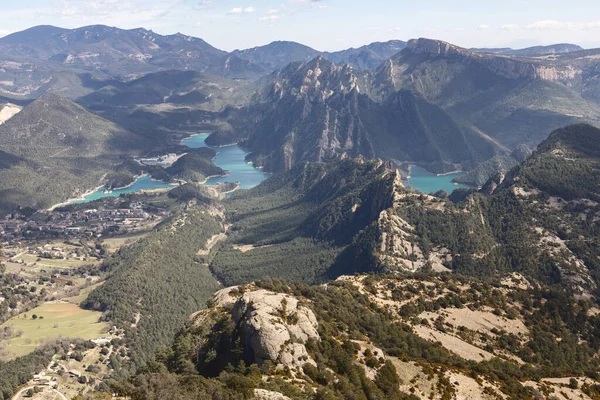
pixel 240 10
pixel 269 17
pixel 509 27
pixel 483 27
pixel 273 11
pixel 563 25
pixel 122 13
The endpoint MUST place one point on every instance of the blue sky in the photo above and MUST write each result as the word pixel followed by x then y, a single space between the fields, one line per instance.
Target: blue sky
pixel 327 24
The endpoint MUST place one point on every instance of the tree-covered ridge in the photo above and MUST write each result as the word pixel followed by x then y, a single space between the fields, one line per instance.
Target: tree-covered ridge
pixel 567 164
pixel 195 166
pixel 370 342
pixel 296 224
pixel 539 222
pixel 154 284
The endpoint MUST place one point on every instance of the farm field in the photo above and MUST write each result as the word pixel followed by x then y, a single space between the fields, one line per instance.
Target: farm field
pixel 54 320
pixel 83 294
pixel 114 244
pixel 31 259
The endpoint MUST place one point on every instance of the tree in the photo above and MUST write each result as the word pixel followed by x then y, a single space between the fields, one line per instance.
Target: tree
pixel 573 384
pixel 387 379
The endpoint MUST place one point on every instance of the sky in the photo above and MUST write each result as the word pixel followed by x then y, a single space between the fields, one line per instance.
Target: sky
pixel 326 25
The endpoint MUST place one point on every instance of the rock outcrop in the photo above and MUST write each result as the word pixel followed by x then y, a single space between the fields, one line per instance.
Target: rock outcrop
pixel 274 326
pixel 262 394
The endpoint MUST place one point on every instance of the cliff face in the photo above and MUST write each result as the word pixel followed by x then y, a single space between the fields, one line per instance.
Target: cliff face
pixel 314 111
pixel 508 67
pixel 513 99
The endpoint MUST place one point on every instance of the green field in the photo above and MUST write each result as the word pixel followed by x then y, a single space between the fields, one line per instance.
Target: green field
pixel 59 320
pixel 116 243
pixel 31 259
pixel 83 294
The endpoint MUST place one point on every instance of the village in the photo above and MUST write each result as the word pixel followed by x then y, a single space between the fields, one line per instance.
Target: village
pixel 86 223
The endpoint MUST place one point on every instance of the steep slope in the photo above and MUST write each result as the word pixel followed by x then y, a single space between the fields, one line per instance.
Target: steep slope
pixel 540 222
pixel 154 284
pixel 124 53
pixel 512 99
pixel 63 150
pixel 496 166
pixel 53 124
pixel 312 111
pixel 308 215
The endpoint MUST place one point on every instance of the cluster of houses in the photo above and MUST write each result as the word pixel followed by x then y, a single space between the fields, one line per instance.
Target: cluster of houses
pixel 162 161
pixel 86 223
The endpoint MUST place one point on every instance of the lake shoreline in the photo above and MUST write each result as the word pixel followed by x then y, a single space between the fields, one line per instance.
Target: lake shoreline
pixel 427 182
pixel 74 199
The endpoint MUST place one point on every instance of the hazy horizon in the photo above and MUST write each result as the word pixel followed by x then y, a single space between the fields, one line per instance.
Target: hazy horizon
pixel 326 25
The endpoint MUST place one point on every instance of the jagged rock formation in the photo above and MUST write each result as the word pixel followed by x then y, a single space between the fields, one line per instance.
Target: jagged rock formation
pixel 275 327
pixel 272 326
pixel 313 111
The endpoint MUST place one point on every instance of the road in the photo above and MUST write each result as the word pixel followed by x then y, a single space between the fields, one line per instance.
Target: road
pixel 21 394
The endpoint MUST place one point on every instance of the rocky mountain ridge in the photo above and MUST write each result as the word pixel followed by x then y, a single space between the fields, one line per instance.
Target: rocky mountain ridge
pixel 558 48
pixel 277 55
pixel 312 111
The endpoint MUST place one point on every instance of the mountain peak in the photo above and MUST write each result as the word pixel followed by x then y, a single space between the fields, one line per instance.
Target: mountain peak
pixel 435 47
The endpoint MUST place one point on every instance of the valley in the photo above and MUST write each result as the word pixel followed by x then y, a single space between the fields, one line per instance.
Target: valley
pixel 401 220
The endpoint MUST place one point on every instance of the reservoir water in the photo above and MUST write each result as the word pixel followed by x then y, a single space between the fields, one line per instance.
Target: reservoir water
pixel 142 183
pixel 232 160
pixel 427 182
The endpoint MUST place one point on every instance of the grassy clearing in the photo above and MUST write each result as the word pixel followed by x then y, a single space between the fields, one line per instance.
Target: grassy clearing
pixel 32 260
pixel 115 244
pixel 83 294
pixel 59 320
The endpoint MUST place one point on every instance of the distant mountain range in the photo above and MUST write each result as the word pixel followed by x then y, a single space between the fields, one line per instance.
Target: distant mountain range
pixel 560 48
pixel 423 102
pixel 432 103
pixel 277 55
pixel 123 53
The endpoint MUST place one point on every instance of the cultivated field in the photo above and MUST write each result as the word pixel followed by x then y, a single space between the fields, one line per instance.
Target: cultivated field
pixel 54 320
